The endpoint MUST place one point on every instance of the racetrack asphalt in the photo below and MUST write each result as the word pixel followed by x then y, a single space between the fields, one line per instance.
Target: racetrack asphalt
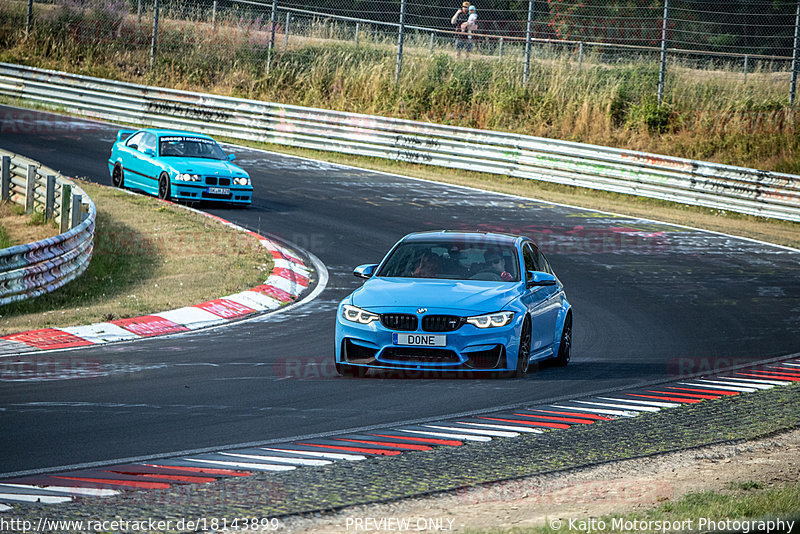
pixel 650 300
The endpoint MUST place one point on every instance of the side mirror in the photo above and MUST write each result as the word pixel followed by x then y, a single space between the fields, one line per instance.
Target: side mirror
pixel 537 278
pixel 365 271
pixel 231 157
pixel 150 152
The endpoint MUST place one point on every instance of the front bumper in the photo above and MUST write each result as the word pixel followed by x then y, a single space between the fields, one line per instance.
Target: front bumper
pixel 467 349
pixel 241 194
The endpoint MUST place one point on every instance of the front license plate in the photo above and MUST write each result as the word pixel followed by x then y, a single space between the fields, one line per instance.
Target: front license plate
pixel 419 340
pixel 219 191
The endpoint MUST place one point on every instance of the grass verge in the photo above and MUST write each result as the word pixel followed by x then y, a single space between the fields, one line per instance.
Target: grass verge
pixel 148 257
pixel 707 511
pixel 17 228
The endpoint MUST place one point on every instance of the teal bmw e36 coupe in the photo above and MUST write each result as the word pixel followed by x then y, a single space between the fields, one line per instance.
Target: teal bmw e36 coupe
pixel 178 165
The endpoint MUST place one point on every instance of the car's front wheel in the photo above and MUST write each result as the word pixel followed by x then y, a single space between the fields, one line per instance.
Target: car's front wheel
pixel 350 370
pixel 565 347
pixel 117 178
pixel 524 353
pixel 164 187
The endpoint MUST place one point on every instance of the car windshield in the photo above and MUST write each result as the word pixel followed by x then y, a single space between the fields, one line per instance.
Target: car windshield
pixel 481 260
pixel 190 147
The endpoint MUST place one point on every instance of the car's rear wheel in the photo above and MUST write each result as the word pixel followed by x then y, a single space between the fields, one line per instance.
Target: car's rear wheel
pixel 117 178
pixel 350 370
pixel 163 187
pixel 565 347
pixel 523 356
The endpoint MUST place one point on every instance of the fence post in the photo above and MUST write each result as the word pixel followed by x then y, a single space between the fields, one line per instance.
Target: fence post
pixel 662 69
pixel 213 14
pixel 5 178
pixel 580 55
pixel 66 198
pixel 29 19
pixel 286 30
pixel 75 212
pixel 139 11
pixel 793 85
pixel 500 48
pixel 50 197
pixel 154 42
pixel 745 68
pixel 273 17
pixel 527 69
pixel 431 42
pixel 356 39
pixel 400 36
pixel 30 185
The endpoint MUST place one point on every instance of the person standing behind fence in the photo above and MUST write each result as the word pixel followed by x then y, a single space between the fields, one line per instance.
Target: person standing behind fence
pixel 471 26
pixel 459 20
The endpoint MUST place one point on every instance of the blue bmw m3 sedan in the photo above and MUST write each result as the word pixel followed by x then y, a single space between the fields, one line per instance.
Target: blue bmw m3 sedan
pixel 455 302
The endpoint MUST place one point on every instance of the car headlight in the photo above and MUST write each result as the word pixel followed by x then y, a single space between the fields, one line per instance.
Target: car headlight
pixel 357 315
pixel 241 180
pixel 491 320
pixel 188 177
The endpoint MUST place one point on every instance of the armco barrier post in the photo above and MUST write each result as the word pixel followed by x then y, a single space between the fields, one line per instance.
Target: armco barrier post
pixel 50 197
pixel 66 199
pixel 5 178
pixel 214 15
pixel 30 185
pixel 75 211
pixel 286 30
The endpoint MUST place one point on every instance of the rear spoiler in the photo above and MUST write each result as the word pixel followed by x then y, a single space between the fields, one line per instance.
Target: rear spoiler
pixel 124 134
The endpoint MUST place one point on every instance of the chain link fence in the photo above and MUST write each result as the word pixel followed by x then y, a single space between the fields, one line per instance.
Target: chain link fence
pixel 739 36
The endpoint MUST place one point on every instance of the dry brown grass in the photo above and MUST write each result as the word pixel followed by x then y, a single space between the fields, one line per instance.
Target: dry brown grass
pixel 21 228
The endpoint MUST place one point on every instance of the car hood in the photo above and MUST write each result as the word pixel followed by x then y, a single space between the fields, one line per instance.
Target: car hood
pixel 205 166
pixel 380 294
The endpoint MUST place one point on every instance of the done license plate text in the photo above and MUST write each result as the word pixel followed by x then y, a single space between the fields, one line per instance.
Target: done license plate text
pixel 219 191
pixel 419 340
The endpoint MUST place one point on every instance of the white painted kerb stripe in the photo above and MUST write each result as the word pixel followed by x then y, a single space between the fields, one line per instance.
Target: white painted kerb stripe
pixel 622 413
pixel 91 492
pixel 525 429
pixel 740 383
pixel 244 465
pixel 467 437
pixel 280 459
pixel 624 407
pixel 714 385
pixel 643 402
pixel 331 455
pixel 494 433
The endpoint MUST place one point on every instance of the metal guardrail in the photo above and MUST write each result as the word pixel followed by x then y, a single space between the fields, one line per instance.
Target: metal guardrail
pixel 724 187
pixel 30 270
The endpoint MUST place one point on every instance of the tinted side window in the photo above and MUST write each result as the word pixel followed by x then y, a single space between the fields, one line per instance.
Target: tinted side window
pixel 529 259
pixel 135 139
pixel 544 263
